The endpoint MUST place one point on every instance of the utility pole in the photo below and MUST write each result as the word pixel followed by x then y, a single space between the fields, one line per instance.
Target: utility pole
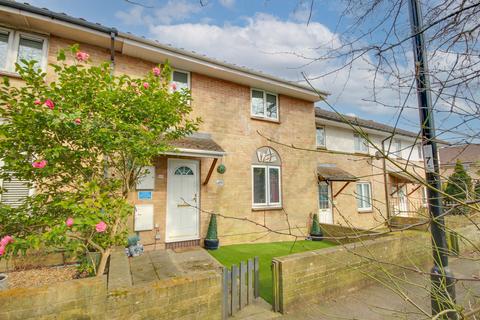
pixel 442 283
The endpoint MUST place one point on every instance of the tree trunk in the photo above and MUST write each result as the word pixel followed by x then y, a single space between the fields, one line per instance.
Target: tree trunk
pixel 103 262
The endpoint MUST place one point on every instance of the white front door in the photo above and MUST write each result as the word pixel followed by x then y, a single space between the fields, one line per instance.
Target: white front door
pixel 182 200
pixel 401 201
pixel 325 214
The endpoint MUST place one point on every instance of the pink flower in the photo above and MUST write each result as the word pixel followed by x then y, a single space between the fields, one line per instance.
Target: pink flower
pixel 37 102
pixel 82 56
pixel 2 250
pixel 101 226
pixel 146 85
pixel 6 240
pixel 156 71
pixel 78 121
pixel 49 103
pixel 69 222
pixel 39 164
pixel 174 86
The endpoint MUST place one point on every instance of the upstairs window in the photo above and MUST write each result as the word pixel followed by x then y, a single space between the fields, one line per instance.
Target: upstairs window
pixel 397 148
pixel 264 105
pixel 181 79
pixel 321 137
pixel 16 46
pixel 419 151
pixel 266 179
pixel 360 143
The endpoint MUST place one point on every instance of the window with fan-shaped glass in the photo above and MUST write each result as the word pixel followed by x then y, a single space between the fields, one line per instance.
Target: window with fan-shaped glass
pixel 184 171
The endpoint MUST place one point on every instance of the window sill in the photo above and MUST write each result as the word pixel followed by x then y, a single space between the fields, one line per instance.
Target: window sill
pixel 10 74
pixel 358 153
pixel 265 119
pixel 364 210
pixel 266 208
pixel 321 148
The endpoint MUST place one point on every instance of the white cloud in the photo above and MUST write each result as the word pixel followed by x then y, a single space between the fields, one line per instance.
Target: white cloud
pixel 275 46
pixel 227 3
pixel 172 11
pixel 131 18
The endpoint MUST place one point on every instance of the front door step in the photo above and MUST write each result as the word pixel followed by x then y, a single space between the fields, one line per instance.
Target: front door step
pixel 182 244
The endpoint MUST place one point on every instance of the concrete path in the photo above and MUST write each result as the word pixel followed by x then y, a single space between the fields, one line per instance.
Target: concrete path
pixel 163 264
pixel 379 302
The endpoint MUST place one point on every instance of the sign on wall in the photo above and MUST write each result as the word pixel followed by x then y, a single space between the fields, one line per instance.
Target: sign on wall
pixel 145 195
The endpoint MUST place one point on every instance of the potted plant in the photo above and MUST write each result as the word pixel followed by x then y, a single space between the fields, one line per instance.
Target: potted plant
pixel 3 281
pixel 315 230
pixel 211 240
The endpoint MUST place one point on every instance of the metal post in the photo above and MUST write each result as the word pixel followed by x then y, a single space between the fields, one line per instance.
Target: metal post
pixel 442 285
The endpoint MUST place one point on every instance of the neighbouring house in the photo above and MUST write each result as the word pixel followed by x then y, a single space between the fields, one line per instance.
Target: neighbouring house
pixel 468 154
pixel 359 187
pixel 240 163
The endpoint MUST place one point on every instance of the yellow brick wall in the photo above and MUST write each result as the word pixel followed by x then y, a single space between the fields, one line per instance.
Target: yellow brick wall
pixel 224 108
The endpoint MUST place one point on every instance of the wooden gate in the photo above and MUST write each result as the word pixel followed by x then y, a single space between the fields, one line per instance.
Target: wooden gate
pixel 240 286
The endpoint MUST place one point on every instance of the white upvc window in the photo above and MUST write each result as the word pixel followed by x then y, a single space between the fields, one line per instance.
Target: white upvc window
pixel 181 79
pixel 264 104
pixel 360 143
pixel 397 148
pixel 419 151
pixel 14 191
pixel 364 196
pixel 321 138
pixel 266 182
pixel 16 46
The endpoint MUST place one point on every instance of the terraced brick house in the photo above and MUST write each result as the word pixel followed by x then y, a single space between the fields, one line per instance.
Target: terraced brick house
pixel 249 121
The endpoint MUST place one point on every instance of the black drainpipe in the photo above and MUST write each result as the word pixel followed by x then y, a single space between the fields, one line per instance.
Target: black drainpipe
pixel 113 34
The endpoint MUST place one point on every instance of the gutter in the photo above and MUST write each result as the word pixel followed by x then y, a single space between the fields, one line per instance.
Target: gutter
pixel 57 16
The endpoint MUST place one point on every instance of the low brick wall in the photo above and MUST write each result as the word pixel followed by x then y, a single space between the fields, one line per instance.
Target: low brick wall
pixel 342 234
pixel 415 223
pixel 196 296
pixel 328 273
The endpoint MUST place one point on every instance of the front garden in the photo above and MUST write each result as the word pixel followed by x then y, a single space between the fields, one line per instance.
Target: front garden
pixel 233 254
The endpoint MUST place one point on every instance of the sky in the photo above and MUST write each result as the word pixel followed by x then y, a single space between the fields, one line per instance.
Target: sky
pixel 271 36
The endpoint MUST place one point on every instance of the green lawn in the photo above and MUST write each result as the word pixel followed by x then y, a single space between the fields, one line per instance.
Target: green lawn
pixel 233 254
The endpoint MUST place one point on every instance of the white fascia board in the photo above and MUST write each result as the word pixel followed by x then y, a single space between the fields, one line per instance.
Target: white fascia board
pixel 195 153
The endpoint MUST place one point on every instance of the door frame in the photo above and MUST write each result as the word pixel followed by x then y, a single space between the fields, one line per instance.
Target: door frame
pixel 330 200
pixel 170 164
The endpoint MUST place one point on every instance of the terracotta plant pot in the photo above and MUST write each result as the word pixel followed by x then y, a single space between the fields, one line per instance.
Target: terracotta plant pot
pixel 211 244
pixel 3 281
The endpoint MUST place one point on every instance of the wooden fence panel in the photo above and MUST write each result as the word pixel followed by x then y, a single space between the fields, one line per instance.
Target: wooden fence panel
pixel 240 286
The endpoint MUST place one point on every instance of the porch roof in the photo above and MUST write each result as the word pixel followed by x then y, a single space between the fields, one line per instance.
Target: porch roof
pixel 332 173
pixel 197 145
pixel 406 177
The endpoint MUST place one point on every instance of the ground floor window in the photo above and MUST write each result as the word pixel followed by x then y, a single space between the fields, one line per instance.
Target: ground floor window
pixel 364 196
pixel 266 185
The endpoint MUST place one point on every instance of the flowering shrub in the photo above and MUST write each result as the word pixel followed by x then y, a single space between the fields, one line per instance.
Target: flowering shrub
pixel 81 141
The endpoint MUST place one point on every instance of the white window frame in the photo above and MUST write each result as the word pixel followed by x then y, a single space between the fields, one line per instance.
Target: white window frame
pixel 267 204
pixel 264 116
pixel 397 152
pixel 31 190
pixel 362 141
pixel 364 209
pixel 8 63
pixel 188 77
pixel 419 151
pixel 324 145
pixel 13 44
